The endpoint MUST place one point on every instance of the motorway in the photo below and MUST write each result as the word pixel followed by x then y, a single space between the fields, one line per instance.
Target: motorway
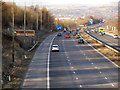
pixel 75 66
pixel 107 39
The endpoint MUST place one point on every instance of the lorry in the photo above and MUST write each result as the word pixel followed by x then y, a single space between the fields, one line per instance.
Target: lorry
pixel 101 30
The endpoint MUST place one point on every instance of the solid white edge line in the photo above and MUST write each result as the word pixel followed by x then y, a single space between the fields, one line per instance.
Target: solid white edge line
pixel 112 85
pixel 103 55
pixel 48 78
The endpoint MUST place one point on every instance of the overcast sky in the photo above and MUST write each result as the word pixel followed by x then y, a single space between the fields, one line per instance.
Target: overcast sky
pixel 57 2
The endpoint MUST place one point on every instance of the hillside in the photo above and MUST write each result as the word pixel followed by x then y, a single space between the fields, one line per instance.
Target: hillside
pixel 74 11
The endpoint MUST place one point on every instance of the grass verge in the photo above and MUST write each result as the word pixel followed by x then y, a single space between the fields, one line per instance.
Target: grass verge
pixel 112 55
pixel 18 70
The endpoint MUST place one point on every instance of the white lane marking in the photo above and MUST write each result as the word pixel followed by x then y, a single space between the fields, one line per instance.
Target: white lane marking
pixel 91 63
pixel 95 67
pixel 80 85
pixel 74 72
pixel 105 77
pixel 48 67
pixel 100 72
pixel 103 55
pixel 113 85
pixel 76 78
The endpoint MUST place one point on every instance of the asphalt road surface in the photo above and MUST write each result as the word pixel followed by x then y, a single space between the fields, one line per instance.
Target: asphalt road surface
pixel 74 66
pixel 107 39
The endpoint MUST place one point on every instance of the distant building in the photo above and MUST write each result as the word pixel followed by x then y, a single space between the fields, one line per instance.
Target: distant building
pixel 64 18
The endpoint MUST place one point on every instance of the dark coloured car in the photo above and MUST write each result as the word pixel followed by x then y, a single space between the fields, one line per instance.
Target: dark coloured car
pixel 80 40
pixel 77 36
pixel 59 34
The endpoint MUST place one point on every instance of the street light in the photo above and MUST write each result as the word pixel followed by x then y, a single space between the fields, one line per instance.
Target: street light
pixel 13 35
pixel 32 17
pixel 24 23
pixel 41 16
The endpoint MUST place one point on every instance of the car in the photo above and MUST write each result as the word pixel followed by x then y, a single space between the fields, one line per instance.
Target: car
pixel 55 48
pixel 67 32
pixel 59 34
pixel 77 36
pixel 67 36
pixel 100 33
pixel 88 31
pixel 80 40
pixel 64 30
pixel 72 30
pixel 74 33
pixel 103 32
pixel 115 36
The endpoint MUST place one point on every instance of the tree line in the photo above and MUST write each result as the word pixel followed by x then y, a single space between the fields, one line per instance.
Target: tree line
pixel 44 16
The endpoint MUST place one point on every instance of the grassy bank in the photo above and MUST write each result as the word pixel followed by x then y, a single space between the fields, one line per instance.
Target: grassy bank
pixel 17 68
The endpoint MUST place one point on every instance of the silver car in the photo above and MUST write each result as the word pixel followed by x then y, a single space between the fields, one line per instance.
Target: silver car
pixel 115 36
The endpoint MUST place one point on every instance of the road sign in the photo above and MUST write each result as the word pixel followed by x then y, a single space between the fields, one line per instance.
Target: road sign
pixel 27 33
pixel 113 28
pixel 58 26
pixel 107 27
pixel 90 21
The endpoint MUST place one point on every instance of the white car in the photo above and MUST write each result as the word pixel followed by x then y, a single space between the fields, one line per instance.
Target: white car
pixel 55 48
pixel 115 36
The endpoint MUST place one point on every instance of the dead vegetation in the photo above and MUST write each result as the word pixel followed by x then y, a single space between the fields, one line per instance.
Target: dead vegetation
pixel 17 68
pixel 113 56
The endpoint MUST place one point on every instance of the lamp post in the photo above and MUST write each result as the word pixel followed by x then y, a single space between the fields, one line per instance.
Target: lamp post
pixel 37 21
pixel 13 34
pixel 41 17
pixel 24 23
pixel 32 17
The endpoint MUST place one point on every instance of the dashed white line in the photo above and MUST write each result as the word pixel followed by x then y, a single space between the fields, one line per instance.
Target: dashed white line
pixel 102 55
pixel 91 63
pixel 100 72
pixel 105 77
pixel 74 72
pixel 95 67
pixel 80 85
pixel 76 78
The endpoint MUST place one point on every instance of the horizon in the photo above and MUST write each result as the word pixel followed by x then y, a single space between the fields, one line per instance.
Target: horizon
pixel 62 2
